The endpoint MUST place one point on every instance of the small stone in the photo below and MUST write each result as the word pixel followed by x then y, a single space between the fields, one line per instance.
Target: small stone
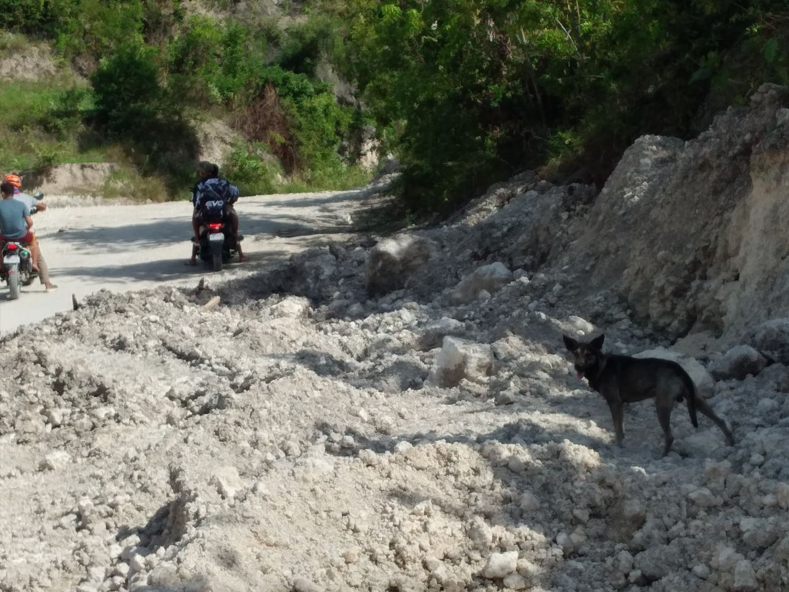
pixel 227 482
pixel 701 571
pixel 515 582
pixel 727 559
pixel 581 515
pixel 351 556
pixel 565 542
pixel 500 565
pixel 304 585
pixel 767 407
pixel 431 564
pixel 527 569
pixel 756 460
pixel 704 498
pixel 516 465
pixel 55 460
pixel 481 534
pixel 782 494
pixel 745 577
pixel 402 447
pixel 368 457
pixel 55 418
pixel 625 520
pixel 291 449
pixel 506 398
pixel 136 564
pixel 529 502
pixel 624 562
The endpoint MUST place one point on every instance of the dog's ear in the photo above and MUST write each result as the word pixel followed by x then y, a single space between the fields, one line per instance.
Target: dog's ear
pixel 570 343
pixel 597 342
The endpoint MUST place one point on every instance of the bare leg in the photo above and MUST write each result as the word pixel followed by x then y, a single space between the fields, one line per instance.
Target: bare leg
pixel 196 223
pixel 43 271
pixel 704 407
pixel 33 246
pixel 234 226
pixel 617 413
pixel 664 417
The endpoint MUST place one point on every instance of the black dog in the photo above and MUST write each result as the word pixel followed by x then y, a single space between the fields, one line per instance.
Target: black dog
pixel 623 379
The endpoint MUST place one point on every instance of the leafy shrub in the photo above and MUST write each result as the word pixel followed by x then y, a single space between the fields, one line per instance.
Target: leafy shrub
pixel 252 169
pixel 97 27
pixel 66 113
pixel 129 97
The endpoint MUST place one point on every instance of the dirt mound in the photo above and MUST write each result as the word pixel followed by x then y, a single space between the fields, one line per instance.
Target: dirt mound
pixel 71 179
pixel 283 443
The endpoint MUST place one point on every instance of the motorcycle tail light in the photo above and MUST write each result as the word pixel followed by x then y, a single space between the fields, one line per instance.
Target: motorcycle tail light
pixel 12 247
pixel 215 227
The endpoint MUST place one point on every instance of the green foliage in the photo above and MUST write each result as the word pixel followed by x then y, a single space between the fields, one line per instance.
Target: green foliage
pixel 469 90
pixel 66 113
pixel 129 98
pixel 252 169
pixel 96 27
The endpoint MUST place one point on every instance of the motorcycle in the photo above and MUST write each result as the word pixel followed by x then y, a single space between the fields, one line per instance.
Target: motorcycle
pixel 17 267
pixel 217 244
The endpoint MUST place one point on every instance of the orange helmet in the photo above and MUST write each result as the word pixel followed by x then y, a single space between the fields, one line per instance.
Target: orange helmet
pixel 14 180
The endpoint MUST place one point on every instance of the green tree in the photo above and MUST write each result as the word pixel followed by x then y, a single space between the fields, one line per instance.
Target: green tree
pixel 129 98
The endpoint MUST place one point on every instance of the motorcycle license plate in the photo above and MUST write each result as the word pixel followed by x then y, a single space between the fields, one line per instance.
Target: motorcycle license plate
pixel 216 238
pixel 11 259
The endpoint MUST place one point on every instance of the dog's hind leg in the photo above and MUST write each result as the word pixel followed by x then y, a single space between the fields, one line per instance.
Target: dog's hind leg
pixel 663 408
pixel 704 407
pixel 618 415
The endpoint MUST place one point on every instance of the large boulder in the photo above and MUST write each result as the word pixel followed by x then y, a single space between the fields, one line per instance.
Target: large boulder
pixel 698 373
pixel 490 278
pixel 770 338
pixel 459 359
pixel 392 261
pixel 737 363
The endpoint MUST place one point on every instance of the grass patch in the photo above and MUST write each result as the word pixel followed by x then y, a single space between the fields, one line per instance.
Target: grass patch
pixel 13 43
pixel 39 128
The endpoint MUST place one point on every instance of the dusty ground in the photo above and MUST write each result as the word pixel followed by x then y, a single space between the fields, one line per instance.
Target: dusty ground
pixel 130 247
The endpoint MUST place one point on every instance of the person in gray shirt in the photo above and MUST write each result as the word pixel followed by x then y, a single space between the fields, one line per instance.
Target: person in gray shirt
pixel 40 206
pixel 15 222
pixel 35 205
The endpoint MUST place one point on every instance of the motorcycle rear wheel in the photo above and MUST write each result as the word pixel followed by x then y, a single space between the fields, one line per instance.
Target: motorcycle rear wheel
pixel 13 282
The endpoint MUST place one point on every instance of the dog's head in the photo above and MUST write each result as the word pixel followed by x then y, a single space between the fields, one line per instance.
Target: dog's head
pixel 587 356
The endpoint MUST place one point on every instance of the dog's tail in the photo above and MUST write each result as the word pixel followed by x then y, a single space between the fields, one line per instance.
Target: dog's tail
pixel 691 395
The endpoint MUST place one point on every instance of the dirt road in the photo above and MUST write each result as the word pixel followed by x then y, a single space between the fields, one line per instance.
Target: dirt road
pixel 130 247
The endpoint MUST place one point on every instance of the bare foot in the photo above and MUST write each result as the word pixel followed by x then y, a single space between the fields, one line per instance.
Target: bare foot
pixel 242 258
pixel 191 263
pixel 51 287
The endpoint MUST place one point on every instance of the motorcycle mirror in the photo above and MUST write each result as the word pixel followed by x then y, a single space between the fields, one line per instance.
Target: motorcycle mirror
pixel 38 195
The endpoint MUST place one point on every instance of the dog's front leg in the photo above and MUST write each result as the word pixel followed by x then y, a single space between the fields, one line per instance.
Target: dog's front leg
pixel 618 415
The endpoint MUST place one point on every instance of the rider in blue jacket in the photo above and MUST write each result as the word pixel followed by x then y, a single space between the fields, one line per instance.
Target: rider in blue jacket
pixel 209 192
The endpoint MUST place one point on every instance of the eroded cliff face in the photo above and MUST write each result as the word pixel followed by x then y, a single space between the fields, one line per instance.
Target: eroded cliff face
pixel 693 234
